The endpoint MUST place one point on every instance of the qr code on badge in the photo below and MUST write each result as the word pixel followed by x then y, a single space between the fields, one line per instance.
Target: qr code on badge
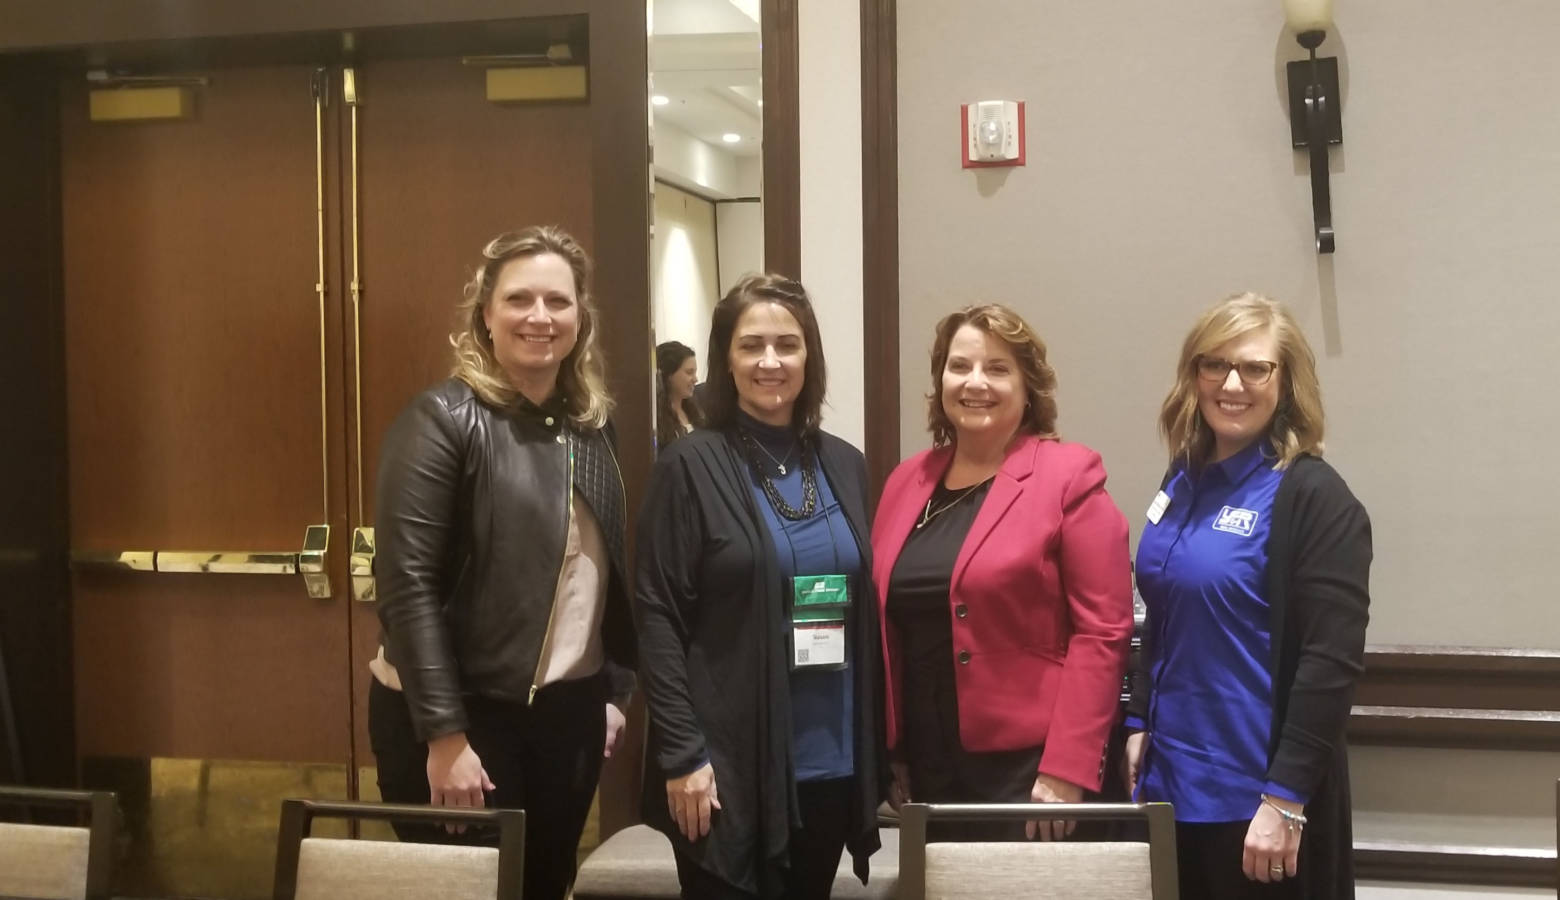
pixel 802 655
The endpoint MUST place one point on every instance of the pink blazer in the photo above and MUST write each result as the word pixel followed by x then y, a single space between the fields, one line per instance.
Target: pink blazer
pixel 1041 604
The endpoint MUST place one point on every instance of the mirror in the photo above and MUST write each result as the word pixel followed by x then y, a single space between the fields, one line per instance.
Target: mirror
pixel 706 130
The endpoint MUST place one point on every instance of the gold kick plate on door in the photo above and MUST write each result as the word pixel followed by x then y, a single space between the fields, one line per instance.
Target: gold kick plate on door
pixel 361 565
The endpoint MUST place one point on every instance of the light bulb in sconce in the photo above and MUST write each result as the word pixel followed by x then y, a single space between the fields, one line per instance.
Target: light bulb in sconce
pixel 1308 15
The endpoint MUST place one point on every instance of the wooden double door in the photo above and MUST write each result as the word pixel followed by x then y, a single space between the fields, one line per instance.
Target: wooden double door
pixel 251 295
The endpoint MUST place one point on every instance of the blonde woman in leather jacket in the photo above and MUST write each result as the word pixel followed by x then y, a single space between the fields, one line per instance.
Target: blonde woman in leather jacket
pixel 508 646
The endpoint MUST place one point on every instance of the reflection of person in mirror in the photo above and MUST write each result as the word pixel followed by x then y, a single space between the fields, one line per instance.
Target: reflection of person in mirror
pixel 508 643
pixel 758 634
pixel 1005 587
pixel 676 412
pixel 1255 567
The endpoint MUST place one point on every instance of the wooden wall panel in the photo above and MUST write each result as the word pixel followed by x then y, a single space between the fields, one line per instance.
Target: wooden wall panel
pixel 34 598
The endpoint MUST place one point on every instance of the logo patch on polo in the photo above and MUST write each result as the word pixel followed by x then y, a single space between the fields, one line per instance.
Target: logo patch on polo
pixel 1235 520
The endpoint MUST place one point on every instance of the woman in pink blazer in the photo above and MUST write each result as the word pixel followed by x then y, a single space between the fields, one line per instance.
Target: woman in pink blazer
pixel 1004 587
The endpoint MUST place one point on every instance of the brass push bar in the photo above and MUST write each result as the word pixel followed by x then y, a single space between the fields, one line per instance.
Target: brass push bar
pixel 309 561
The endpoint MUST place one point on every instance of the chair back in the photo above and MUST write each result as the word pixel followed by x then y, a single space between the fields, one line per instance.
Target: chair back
pixel 1037 870
pixel 310 868
pixel 57 862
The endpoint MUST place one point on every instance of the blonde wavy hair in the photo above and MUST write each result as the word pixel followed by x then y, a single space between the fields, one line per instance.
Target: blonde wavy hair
pixel 1028 351
pixel 1297 423
pixel 582 379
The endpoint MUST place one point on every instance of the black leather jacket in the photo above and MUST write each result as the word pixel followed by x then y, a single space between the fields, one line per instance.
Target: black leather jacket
pixel 473 505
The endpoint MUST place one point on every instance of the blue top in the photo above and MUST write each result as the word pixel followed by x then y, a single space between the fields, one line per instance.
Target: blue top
pixel 1203 573
pixel 822 701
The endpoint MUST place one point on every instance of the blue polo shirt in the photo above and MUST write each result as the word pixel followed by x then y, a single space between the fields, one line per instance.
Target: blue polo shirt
pixel 1202 570
pixel 822 701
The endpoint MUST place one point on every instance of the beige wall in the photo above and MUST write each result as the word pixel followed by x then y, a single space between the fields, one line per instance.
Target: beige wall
pixel 682 268
pixel 691 164
pixel 1160 178
pixel 739 225
pixel 829 96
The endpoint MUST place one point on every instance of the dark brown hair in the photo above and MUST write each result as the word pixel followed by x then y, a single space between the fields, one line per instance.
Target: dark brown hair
pixel 669 357
pixel 1028 351
pixel 720 397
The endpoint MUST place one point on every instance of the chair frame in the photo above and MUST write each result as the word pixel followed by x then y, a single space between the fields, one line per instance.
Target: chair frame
pixel 1160 817
pixel 299 815
pixel 101 827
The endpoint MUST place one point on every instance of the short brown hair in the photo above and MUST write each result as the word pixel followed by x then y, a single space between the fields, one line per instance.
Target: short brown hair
pixel 582 378
pixel 720 398
pixel 1028 350
pixel 1297 423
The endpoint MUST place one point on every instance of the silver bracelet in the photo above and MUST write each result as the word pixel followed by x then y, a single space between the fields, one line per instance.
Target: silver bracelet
pixel 1295 821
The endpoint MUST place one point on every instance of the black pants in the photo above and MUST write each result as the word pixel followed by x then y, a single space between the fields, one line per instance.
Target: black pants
pixel 815 849
pixel 544 759
pixel 1209 857
pixel 941 770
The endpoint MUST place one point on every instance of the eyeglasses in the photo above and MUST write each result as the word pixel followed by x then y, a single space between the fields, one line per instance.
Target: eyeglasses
pixel 1253 372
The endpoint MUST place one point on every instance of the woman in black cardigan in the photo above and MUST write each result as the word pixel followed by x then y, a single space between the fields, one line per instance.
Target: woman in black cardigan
pixel 1255 565
pixel 758 621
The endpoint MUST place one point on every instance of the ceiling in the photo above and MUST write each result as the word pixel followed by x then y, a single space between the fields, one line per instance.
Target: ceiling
pixel 704 58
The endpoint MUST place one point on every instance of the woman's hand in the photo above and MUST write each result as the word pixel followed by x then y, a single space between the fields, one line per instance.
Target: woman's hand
pixel 691 799
pixel 615 728
pixel 455 775
pixel 1272 851
pixel 1132 761
pixel 899 790
pixel 1049 789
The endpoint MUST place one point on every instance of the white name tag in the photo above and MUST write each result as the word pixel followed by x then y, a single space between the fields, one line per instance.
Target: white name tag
pixel 819 645
pixel 1156 510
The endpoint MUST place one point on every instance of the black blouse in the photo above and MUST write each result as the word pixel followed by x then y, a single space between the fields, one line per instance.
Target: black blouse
pixel 922 578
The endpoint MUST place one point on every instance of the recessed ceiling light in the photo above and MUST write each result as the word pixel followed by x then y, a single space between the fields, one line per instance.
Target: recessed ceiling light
pixel 731 137
pixel 660 99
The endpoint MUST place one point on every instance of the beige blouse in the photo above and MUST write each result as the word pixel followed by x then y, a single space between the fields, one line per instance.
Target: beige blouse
pixel 572 647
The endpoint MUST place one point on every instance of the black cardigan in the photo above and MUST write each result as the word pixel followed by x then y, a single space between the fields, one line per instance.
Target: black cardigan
pixel 1318 591
pixel 710 615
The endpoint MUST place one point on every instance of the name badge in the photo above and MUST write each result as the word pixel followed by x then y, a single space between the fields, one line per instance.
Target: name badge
pixel 1156 509
pixel 818 645
pixel 819 604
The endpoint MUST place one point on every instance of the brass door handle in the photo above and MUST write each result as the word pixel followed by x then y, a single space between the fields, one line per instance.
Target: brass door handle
pixel 361 565
pixel 309 562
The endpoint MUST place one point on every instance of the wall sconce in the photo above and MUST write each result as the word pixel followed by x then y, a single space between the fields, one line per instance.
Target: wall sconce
pixel 1314 116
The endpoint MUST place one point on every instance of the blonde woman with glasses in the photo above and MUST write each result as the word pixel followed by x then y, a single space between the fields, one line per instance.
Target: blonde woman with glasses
pixel 1255 565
